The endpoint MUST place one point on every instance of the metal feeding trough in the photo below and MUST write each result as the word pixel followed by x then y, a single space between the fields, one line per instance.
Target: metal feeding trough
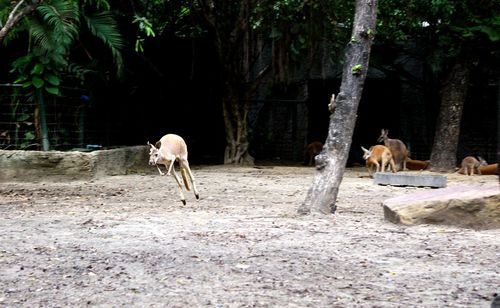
pixel 410 179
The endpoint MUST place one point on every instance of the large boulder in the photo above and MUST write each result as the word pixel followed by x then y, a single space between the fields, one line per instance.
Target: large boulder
pixel 472 206
pixel 72 165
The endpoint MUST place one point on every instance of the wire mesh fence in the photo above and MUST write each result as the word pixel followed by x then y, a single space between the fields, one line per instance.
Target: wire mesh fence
pixel 21 119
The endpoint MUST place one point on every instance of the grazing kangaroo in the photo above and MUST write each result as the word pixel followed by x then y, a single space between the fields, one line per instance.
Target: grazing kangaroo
pixel 471 164
pixel 378 156
pixel 397 148
pixel 312 149
pixel 165 152
pixel 489 169
pixel 415 164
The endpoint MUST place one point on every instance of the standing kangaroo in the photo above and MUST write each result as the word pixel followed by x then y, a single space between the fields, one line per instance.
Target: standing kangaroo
pixel 378 156
pixel 165 152
pixel 398 149
pixel 471 164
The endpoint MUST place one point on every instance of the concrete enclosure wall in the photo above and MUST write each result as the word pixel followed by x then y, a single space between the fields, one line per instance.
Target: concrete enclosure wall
pixel 55 165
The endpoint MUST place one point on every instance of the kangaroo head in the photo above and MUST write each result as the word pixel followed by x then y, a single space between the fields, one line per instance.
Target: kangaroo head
pixel 154 154
pixel 482 162
pixel 383 135
pixel 366 154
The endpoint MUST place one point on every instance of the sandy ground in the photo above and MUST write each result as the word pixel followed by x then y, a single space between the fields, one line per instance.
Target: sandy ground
pixel 129 241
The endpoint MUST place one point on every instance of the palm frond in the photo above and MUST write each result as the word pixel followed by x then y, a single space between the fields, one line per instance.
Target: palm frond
pixel 55 29
pixel 103 26
pixel 62 17
pixel 98 4
pixel 46 45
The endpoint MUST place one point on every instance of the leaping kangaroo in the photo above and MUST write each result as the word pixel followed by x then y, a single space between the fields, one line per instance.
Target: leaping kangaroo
pixel 165 152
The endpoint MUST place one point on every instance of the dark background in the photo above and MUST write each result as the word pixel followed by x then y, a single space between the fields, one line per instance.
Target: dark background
pixel 172 88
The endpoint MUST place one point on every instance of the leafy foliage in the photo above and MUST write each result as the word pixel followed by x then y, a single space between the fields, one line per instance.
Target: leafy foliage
pixel 54 29
pixel 145 27
pixel 448 28
pixel 103 26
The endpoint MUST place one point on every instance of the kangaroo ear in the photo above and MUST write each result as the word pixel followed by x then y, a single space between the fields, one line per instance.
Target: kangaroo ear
pixel 150 145
pixel 364 150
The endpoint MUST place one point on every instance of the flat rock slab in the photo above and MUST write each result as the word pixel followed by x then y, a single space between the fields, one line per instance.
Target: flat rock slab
pixel 410 179
pixel 471 206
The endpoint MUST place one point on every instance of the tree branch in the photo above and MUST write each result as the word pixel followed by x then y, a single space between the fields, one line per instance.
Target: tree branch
pixel 15 17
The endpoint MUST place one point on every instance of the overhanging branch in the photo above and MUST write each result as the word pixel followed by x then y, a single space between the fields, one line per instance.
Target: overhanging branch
pixel 15 16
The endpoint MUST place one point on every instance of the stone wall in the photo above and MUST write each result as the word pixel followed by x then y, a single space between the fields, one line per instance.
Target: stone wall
pixel 63 166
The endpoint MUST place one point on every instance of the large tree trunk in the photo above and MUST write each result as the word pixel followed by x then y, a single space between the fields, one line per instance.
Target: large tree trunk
pixel 453 95
pixel 235 45
pixel 330 164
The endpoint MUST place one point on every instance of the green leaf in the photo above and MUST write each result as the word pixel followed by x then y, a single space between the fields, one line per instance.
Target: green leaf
pixel 27 84
pixel 356 69
pixel 21 62
pixel 21 78
pixel 185 11
pixel 38 69
pixel 138 45
pixel 150 32
pixel 37 82
pixel 52 79
pixel 23 117
pixel 493 35
pixel 53 90
pixel 29 136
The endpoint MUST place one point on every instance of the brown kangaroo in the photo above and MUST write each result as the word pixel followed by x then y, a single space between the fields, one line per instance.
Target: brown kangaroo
pixel 397 148
pixel 312 149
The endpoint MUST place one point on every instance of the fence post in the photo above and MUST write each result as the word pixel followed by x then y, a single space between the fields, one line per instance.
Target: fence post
pixel 43 120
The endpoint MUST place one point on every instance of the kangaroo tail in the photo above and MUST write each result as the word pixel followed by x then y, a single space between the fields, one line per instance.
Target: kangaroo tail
pixel 184 179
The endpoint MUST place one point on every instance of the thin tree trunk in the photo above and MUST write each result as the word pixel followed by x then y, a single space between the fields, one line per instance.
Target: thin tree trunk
pixel 453 95
pixel 498 130
pixel 236 125
pixel 330 164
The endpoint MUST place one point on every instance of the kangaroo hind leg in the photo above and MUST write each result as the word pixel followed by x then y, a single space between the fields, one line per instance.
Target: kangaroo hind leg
pixel 185 169
pixel 178 180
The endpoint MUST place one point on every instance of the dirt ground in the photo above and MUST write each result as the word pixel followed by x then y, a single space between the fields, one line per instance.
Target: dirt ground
pixel 129 241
